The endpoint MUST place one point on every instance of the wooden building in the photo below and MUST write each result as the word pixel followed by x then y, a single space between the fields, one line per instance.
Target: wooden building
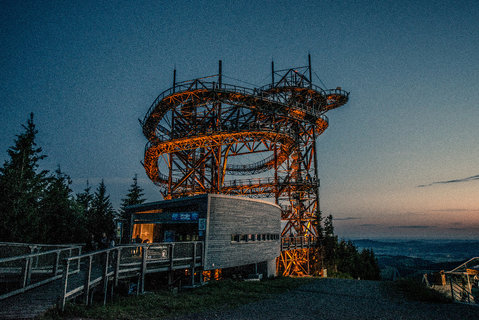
pixel 235 231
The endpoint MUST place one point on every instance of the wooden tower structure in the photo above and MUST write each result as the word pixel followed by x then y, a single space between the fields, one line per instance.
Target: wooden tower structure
pixel 208 136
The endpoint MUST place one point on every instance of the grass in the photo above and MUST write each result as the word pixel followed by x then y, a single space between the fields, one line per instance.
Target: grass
pixel 414 290
pixel 213 296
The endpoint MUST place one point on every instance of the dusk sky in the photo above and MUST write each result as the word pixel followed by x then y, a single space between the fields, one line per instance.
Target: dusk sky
pixel 400 159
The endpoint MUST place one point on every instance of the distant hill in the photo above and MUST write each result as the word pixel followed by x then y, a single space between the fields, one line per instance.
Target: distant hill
pixel 413 258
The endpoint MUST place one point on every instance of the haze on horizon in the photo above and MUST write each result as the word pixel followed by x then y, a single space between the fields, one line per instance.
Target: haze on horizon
pixel 399 160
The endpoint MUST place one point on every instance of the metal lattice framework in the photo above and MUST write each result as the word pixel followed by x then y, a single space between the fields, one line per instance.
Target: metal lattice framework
pixel 203 133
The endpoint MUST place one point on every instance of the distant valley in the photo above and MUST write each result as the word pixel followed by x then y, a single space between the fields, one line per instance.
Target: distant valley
pixel 413 258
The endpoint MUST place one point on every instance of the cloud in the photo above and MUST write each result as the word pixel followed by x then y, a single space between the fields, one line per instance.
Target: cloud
pixel 451 210
pixel 457 224
pixel 454 210
pixel 472 178
pixel 346 218
pixel 411 227
pixel 412 213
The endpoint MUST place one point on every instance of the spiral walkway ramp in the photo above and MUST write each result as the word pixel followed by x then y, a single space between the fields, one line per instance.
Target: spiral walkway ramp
pixel 204 133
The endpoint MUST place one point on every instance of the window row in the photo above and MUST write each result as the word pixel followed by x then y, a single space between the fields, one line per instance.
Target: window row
pixel 254 237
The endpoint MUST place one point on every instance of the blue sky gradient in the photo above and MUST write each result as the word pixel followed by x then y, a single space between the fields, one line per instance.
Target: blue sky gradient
pixel 90 69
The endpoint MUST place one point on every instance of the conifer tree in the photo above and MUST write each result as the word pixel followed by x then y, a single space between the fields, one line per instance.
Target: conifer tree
pixel 330 243
pixel 100 216
pixel 133 197
pixel 21 188
pixel 84 200
pixel 342 257
pixel 61 218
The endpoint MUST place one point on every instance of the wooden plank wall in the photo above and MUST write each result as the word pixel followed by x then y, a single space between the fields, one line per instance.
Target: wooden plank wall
pixel 232 215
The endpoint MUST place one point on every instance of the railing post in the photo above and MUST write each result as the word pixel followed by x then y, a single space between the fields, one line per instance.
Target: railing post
pixel 78 260
pixel 170 271
pixel 25 273
pixel 65 283
pixel 57 261
pixel 193 265
pixel 28 271
pixel 117 265
pixel 172 249
pixel 105 275
pixel 143 267
pixel 86 287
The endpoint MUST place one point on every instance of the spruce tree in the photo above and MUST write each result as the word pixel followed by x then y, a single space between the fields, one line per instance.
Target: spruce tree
pixel 84 200
pixel 61 217
pixel 330 243
pixel 21 188
pixel 342 257
pixel 134 196
pixel 101 214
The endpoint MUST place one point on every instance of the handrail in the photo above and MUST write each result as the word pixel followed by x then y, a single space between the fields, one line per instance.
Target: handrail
pixel 126 261
pixel 32 255
pixel 260 93
pixel 263 127
pixel 463 265
pixel 24 266
pixel 298 242
pixel 15 249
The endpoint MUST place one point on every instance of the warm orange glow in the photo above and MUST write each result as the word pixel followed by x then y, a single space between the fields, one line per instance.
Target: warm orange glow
pixel 150 211
pixel 212 275
pixel 299 262
pixel 144 232
pixel 210 141
pixel 221 121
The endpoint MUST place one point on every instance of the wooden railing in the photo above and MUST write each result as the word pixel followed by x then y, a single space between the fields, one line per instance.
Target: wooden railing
pixel 102 267
pixel 464 282
pixel 24 272
pixel 301 242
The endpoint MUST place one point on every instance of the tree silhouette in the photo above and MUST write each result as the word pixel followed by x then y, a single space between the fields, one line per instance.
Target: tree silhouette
pixel 133 197
pixel 100 216
pixel 21 188
pixel 62 220
pixel 344 259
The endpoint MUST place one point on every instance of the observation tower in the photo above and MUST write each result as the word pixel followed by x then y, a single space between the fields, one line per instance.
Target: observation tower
pixel 208 136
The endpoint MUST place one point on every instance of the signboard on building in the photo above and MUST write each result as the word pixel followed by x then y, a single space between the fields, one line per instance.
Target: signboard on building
pixel 184 216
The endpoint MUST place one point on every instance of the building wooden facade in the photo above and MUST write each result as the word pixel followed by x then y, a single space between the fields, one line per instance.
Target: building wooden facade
pixel 236 231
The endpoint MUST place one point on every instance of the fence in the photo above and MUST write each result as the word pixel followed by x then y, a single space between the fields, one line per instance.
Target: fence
pixel 99 268
pixel 27 271
pixel 292 243
pixel 464 282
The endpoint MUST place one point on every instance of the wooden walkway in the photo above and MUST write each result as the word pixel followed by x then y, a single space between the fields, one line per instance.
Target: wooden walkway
pixel 72 276
pixel 99 272
pixel 32 303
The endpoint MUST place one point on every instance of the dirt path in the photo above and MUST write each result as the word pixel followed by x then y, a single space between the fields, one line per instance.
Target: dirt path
pixel 338 299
